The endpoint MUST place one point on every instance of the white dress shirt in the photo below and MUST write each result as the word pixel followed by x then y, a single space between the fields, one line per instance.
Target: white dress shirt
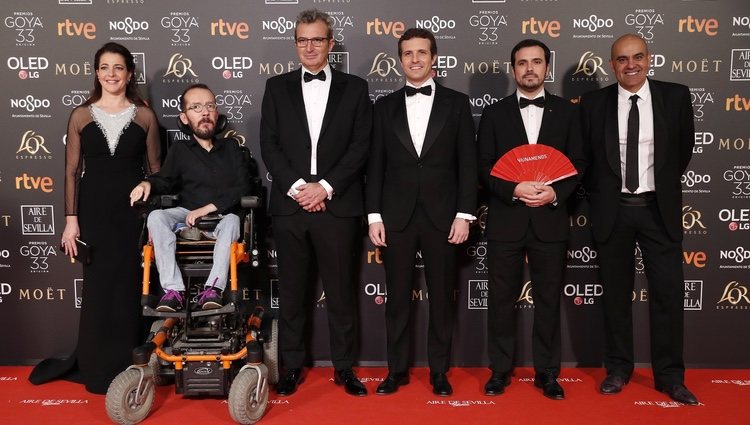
pixel 532 116
pixel 315 96
pixel 646 182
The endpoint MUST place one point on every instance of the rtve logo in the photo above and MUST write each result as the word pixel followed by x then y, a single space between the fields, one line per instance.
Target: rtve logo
pixel 737 103
pixel 378 27
pixel 223 28
pixel 538 26
pixel 709 26
pixel 696 259
pixel 68 28
pixel 27 182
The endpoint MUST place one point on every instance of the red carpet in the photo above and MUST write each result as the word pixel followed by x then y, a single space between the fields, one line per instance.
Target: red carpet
pixel 724 396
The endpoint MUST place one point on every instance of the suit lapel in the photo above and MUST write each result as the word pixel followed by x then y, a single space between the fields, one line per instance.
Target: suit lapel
pixel 338 87
pixel 397 111
pixel 514 113
pixel 438 117
pixel 611 133
pixel 294 87
pixel 548 118
pixel 660 126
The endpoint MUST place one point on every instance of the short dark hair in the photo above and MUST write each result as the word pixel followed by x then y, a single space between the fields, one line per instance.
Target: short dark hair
pixel 418 33
pixel 529 42
pixel 313 15
pixel 183 104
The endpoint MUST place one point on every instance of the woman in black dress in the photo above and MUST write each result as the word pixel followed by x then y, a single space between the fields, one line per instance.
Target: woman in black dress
pixel 112 142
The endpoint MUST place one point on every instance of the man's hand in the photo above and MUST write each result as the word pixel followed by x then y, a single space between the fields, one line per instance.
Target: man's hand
pixel 316 208
pixel 196 214
pixel 310 196
pixel 140 192
pixel 544 196
pixel 459 231
pixel 377 234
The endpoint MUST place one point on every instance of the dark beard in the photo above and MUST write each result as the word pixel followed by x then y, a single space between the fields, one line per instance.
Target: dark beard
pixel 204 134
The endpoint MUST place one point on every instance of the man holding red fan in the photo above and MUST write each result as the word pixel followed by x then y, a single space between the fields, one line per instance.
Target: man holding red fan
pixel 527 218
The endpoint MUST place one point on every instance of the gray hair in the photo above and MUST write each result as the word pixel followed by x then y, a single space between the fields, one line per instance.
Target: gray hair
pixel 312 15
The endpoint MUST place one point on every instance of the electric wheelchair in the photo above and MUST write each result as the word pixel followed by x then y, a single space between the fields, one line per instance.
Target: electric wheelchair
pixel 225 352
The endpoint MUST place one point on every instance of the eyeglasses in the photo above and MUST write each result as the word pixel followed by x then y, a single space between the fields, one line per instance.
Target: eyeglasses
pixel 316 41
pixel 198 108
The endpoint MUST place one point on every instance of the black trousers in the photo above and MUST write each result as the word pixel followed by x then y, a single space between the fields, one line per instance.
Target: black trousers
pixel 440 275
pixel 546 268
pixel 662 258
pixel 333 242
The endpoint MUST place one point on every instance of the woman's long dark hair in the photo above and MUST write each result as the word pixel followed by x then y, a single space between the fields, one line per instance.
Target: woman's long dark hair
pixel 131 90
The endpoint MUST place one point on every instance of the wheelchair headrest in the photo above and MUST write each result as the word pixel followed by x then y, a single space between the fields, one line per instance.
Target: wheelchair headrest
pixel 221 125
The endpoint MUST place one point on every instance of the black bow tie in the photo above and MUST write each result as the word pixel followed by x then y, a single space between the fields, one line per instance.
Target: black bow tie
pixel 523 102
pixel 425 90
pixel 319 76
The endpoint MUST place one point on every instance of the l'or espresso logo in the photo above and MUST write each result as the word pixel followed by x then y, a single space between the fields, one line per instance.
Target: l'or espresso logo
pixel 384 69
pixel 27 182
pixel 180 70
pixel 180 25
pixel 737 258
pixel 693 300
pixel 593 26
pixel 441 28
pixel 525 299
pixel 590 68
pixel 741 24
pixel 69 28
pixel 708 26
pixel 535 26
pixel 25 25
pixel 583 293
pixel 129 29
pixel 739 177
pixel 234 104
pixel 700 98
pixel 232 66
pixel 737 218
pixel 341 22
pixel 380 27
pixel 37 220
pixel 734 297
pixel 38 253
pixel 27 67
pixel 488 23
pixel 644 21
pixel 224 28
pixel 692 223
pixel 234 135
pixel 32 147
pixel 30 107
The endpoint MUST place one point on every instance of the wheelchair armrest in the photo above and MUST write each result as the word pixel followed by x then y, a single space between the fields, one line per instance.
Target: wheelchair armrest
pixel 208 222
pixel 250 202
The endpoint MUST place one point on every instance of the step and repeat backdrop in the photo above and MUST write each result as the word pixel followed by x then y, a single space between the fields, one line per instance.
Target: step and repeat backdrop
pixel 235 45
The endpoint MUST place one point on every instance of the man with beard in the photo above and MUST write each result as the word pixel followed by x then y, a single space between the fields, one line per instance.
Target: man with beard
pixel 527 219
pixel 210 176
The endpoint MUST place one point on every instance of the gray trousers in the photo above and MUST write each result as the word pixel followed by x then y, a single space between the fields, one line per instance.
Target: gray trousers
pixel 160 225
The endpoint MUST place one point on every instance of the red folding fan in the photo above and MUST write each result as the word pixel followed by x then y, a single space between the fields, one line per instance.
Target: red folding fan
pixel 533 162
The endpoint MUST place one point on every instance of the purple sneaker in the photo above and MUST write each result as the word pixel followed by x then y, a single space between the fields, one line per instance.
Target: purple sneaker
pixel 210 298
pixel 171 301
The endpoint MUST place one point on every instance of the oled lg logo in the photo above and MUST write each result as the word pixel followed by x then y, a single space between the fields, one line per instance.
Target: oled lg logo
pixel 24 24
pixel 583 293
pixel 232 67
pixel 377 291
pixel 702 139
pixel 28 67
pixel 738 218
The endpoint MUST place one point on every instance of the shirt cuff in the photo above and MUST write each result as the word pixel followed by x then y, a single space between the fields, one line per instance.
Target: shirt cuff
pixel 292 192
pixel 373 218
pixel 327 187
pixel 468 217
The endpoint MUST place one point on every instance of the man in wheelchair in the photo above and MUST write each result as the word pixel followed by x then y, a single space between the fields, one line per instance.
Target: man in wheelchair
pixel 210 175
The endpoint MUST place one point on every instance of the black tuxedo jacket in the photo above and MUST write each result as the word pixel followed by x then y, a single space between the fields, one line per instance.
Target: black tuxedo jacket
pixel 674 138
pixel 500 130
pixel 344 141
pixel 442 178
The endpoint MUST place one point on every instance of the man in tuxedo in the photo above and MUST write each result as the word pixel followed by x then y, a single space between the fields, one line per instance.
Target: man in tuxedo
pixel 638 138
pixel 421 193
pixel 527 219
pixel 314 138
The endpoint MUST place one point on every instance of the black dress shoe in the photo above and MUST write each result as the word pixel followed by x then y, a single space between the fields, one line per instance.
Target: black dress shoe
pixel 678 392
pixel 288 383
pixel 612 384
pixel 497 383
pixel 440 384
pixel 391 383
pixel 351 383
pixel 548 383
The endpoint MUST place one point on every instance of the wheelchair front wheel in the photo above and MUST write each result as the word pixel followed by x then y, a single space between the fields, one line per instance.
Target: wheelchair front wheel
pixel 246 404
pixel 125 405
